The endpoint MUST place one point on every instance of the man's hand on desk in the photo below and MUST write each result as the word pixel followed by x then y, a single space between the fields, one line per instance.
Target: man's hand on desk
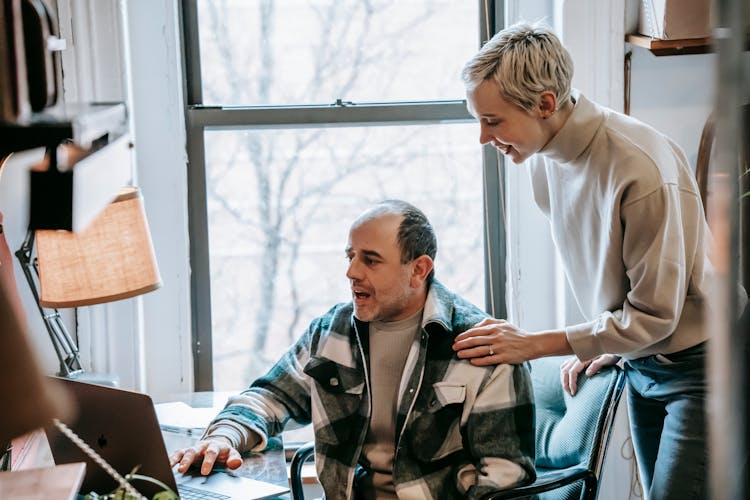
pixel 211 450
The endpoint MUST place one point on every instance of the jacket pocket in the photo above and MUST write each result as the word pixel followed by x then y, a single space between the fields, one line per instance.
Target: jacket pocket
pixel 333 377
pixel 337 393
pixel 447 393
pixel 436 432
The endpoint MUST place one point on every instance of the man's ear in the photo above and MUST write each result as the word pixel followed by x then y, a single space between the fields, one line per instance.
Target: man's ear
pixel 422 266
pixel 547 104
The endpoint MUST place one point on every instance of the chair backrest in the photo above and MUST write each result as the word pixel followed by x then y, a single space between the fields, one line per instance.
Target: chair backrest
pixel 573 430
pixel 303 453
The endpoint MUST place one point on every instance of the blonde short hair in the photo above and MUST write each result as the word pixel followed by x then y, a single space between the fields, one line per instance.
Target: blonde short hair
pixel 525 60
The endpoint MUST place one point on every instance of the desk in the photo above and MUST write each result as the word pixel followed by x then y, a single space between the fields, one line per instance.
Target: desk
pixel 269 466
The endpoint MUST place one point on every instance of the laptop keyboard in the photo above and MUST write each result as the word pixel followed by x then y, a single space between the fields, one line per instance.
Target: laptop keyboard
pixel 188 493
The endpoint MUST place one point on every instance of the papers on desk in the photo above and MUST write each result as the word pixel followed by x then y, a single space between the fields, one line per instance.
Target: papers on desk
pixel 183 418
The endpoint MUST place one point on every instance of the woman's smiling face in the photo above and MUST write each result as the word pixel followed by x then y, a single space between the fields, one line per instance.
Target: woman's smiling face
pixel 513 130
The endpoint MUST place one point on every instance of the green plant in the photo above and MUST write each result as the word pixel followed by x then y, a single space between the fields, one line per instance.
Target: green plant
pixel 123 493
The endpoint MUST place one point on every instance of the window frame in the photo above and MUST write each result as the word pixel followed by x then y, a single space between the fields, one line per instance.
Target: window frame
pixel 200 118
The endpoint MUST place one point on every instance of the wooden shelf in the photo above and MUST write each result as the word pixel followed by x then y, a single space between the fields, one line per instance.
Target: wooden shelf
pixel 671 47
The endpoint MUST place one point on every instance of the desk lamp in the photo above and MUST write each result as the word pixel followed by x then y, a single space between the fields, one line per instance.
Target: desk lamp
pixel 111 259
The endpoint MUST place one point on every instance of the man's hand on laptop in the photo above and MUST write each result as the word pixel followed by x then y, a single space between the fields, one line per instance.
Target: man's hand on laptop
pixel 210 450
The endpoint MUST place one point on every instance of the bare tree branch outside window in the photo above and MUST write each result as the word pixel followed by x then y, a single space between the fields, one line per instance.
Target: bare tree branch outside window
pixel 280 200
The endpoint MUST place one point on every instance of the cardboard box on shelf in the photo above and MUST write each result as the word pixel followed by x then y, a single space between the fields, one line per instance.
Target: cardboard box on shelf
pixel 675 19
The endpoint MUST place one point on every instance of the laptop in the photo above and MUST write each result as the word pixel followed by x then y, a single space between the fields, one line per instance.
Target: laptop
pixel 121 426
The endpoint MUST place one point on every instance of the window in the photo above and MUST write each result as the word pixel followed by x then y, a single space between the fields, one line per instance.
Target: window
pixel 302 114
pixel 296 52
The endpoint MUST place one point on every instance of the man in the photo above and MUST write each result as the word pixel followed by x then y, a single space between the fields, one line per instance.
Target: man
pixel 629 226
pixel 396 414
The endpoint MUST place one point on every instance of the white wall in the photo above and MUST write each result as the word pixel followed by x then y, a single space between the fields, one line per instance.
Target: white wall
pixel 674 94
pixel 157 109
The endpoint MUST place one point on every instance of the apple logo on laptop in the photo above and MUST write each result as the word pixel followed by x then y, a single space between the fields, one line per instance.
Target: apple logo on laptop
pixel 102 441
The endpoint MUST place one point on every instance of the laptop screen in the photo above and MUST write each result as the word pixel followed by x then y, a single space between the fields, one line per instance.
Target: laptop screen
pixel 120 426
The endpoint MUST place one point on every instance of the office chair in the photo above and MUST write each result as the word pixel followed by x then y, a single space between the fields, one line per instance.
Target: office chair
pixel 301 456
pixel 571 434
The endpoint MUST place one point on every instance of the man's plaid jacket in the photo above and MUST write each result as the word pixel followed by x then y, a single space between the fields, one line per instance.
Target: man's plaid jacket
pixel 462 430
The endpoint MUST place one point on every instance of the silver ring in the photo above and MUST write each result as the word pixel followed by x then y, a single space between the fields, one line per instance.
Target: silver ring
pixel 492 353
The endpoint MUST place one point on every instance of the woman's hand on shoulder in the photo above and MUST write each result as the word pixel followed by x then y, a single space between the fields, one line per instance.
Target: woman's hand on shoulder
pixel 494 341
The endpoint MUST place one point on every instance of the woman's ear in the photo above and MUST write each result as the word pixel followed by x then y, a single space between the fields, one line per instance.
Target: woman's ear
pixel 547 104
pixel 422 266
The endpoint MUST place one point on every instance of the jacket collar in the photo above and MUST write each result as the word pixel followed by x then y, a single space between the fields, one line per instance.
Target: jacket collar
pixel 341 346
pixel 438 307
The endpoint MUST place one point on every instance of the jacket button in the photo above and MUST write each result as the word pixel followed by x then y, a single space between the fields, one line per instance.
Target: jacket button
pixel 334 381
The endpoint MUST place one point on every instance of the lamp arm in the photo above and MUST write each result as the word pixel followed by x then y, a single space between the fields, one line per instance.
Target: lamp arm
pixel 65 348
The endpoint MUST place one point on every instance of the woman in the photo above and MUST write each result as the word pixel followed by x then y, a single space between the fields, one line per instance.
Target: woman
pixel 627 220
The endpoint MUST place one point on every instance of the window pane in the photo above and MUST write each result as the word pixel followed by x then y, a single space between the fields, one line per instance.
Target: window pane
pixel 280 203
pixel 261 52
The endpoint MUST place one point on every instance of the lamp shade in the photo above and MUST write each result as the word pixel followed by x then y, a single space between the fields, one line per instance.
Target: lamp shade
pixel 112 259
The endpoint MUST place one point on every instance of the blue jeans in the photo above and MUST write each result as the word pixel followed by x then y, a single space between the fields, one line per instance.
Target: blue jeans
pixel 666 406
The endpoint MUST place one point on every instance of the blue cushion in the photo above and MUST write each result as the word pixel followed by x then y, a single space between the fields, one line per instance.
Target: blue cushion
pixel 566 426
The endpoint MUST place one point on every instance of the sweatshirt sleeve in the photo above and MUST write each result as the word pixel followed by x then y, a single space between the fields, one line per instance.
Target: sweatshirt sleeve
pixel 661 241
